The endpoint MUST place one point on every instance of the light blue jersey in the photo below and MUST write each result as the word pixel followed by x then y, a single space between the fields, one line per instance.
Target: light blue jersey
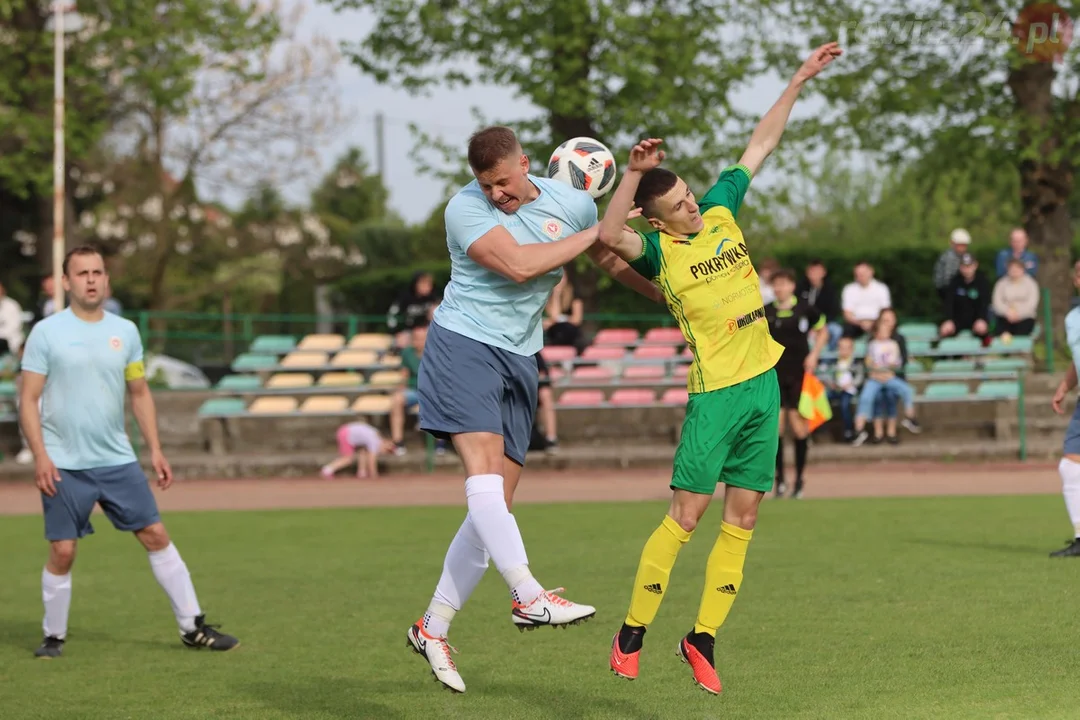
pixel 1072 335
pixel 484 305
pixel 82 409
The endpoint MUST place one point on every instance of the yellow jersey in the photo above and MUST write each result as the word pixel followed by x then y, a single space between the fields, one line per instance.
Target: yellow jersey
pixel 713 291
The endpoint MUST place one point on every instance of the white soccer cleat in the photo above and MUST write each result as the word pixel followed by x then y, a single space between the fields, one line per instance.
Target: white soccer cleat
pixel 437 651
pixel 550 609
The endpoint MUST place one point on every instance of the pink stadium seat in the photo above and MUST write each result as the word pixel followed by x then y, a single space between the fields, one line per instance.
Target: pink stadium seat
pixel 681 371
pixel 556 373
pixel 603 353
pixel 654 352
pixel 592 374
pixel 643 372
pixel 687 353
pixel 623 337
pixel 558 353
pixel 675 396
pixel 633 396
pixel 664 336
pixel 581 398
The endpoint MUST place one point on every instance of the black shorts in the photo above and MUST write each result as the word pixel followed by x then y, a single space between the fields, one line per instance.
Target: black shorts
pixel 791 381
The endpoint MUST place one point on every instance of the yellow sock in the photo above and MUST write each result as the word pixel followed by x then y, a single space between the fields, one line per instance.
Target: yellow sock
pixel 653 572
pixel 723 576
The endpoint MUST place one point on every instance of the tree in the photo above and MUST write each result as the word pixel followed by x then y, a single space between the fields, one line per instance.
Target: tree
pixel 988 88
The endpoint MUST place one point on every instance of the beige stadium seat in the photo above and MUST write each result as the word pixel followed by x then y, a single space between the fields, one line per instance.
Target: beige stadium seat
pixel 325 404
pixel 290 380
pixel 272 405
pixel 371 341
pixel 390 361
pixel 372 404
pixel 388 377
pixel 355 359
pixel 328 342
pixel 304 359
pixel 341 379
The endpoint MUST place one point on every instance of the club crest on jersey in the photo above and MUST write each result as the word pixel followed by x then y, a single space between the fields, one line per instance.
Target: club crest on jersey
pixel 115 343
pixel 552 228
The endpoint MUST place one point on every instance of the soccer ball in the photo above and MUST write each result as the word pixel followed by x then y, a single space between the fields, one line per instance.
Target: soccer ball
pixel 584 163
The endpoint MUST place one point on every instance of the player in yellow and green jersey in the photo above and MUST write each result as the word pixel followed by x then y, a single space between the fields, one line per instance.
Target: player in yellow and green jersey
pixel 697 255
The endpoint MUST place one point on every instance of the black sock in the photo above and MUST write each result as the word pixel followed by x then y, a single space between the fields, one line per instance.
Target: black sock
pixel 704 644
pixel 800 460
pixel 631 638
pixel 780 461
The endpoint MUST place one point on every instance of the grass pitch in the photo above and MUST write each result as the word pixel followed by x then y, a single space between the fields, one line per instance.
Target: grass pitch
pixel 927 608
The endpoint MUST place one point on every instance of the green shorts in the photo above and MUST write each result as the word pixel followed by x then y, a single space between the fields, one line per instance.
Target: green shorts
pixel 730 435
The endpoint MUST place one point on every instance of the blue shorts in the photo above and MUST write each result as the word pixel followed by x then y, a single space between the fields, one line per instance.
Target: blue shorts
pixel 1072 434
pixel 122 491
pixel 412 398
pixel 469 386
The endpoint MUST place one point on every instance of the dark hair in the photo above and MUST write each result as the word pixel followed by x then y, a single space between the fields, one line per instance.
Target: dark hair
pixel 654 184
pixel 488 147
pixel 867 263
pixel 81 250
pixel 815 262
pixel 420 322
pixel 783 274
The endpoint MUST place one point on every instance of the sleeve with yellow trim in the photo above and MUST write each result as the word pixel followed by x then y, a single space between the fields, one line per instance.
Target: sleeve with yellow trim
pixel 729 190
pixel 648 263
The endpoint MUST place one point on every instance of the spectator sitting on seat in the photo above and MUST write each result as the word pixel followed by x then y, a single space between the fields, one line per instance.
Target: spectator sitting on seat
pixel 564 314
pixel 545 404
pixel 863 300
pixel 883 360
pixel 1017 250
pixel 948 263
pixel 1015 301
pixel 11 324
pixel 765 270
pixel 967 302
pixel 360 443
pixel 817 291
pixel 47 301
pixel 415 304
pixel 845 377
pixel 407 397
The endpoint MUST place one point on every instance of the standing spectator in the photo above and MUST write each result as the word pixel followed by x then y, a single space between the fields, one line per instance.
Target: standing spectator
pixel 948 263
pixel 817 291
pixel 11 324
pixel 765 270
pixel 1017 250
pixel 967 301
pixel 1015 301
pixel 545 406
pixel 564 314
pixel 863 300
pixel 414 304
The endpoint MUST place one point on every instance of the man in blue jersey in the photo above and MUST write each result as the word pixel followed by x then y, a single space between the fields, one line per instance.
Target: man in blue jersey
pixel 78 364
pixel 509 235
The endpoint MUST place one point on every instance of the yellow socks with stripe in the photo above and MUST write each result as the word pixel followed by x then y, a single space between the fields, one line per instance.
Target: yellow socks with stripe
pixel 654 569
pixel 723 576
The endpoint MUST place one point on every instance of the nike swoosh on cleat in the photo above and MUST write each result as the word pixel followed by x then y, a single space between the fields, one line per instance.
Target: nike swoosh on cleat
pixel 538 618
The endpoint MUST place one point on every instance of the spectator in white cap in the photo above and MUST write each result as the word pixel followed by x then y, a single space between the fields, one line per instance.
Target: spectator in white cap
pixel 948 263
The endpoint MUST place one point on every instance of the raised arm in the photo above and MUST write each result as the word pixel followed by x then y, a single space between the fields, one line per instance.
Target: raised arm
pixel 626 243
pixel 766 135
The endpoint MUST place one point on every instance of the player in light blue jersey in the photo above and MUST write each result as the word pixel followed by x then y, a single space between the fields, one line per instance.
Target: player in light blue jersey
pixel 1069 467
pixel 509 235
pixel 78 364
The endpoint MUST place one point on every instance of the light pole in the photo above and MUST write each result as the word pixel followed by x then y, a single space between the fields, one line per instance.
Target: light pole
pixel 59 10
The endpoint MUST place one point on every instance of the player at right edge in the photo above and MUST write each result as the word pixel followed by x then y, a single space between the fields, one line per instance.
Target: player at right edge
pixel 698 257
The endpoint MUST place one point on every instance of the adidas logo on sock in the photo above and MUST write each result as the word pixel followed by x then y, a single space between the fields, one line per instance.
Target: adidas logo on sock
pixel 655 588
pixel 728 589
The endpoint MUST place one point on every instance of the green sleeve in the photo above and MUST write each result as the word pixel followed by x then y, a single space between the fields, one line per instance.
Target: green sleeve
pixel 729 190
pixel 648 263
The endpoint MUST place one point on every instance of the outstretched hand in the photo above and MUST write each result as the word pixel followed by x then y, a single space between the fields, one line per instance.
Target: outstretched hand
pixel 646 155
pixel 819 60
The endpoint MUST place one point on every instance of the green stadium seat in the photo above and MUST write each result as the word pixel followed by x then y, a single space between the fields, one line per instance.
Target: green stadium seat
pixel 1018 345
pixel 240 382
pixel 947 391
pixel 998 389
pixel 222 406
pixel 953 367
pixel 1005 364
pixel 914 366
pixel 7 388
pixel 960 346
pixel 918 331
pixel 918 347
pixel 249 362
pixel 860 348
pixel 272 344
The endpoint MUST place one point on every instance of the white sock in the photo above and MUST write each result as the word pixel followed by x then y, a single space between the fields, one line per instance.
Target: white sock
pixel 499 531
pixel 1070 488
pixel 466 562
pixel 173 576
pixel 56 594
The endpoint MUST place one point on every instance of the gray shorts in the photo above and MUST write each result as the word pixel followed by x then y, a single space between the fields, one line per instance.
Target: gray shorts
pixel 1072 434
pixel 469 386
pixel 122 491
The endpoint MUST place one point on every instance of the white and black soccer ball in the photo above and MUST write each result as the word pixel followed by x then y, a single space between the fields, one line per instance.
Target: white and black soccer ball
pixel 584 163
